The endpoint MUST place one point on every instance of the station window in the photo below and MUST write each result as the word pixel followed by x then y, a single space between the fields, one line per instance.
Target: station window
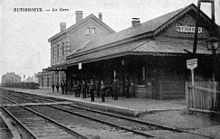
pixel 57 51
pixel 87 31
pixel 63 49
pixel 52 52
pixel 92 31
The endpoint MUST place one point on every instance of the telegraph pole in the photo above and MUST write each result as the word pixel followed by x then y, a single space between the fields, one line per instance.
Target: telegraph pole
pixel 212 2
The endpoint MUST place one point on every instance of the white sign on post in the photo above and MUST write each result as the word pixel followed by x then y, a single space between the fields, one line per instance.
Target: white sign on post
pixel 192 64
pixel 80 66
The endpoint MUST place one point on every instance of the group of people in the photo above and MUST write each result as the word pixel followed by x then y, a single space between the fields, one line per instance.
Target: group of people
pixel 91 88
pixel 63 86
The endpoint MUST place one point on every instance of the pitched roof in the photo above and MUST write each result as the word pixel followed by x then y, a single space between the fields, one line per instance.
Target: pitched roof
pixel 172 47
pixel 148 28
pixel 76 25
pixel 126 42
pixel 141 47
pixel 11 74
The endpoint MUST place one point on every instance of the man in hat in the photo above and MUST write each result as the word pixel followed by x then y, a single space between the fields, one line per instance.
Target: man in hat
pixel 116 88
pixel 92 90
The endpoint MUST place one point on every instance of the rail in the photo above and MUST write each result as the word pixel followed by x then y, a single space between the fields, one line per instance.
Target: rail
pixel 67 129
pixel 30 134
pixel 118 116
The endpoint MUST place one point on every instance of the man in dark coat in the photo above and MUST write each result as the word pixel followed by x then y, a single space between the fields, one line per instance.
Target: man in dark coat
pixel 102 90
pixel 53 86
pixel 116 88
pixel 83 89
pixel 62 87
pixel 127 93
pixel 132 89
pixel 57 87
pixel 78 89
pixel 65 87
pixel 75 85
pixel 92 90
pixel 97 88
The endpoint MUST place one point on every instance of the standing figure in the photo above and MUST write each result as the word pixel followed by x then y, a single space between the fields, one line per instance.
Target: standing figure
pixel 110 89
pixel 116 88
pixel 87 89
pixel 92 90
pixel 83 89
pixel 127 88
pixel 75 89
pixel 132 88
pixel 113 88
pixel 53 86
pixel 78 89
pixel 69 87
pixel 65 87
pixel 102 89
pixel 107 91
pixel 57 87
pixel 62 87
pixel 97 88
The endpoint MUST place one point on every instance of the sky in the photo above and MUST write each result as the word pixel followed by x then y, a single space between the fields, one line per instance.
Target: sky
pixel 24 46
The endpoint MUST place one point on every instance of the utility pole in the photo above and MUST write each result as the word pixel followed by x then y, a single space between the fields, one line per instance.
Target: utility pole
pixel 212 2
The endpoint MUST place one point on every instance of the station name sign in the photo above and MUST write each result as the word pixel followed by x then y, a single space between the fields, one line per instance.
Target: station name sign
pixel 192 63
pixel 187 29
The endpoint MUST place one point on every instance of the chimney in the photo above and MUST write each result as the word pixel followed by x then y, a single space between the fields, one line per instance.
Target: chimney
pixel 62 26
pixel 100 16
pixel 79 15
pixel 135 22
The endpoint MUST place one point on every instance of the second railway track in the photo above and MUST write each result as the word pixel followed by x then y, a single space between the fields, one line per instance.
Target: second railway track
pixel 127 124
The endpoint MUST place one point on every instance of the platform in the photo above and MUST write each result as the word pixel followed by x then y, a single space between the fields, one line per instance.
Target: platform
pixel 125 106
pixel 166 112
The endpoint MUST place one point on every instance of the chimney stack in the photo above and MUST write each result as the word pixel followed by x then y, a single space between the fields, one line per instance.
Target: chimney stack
pixel 62 26
pixel 135 22
pixel 79 15
pixel 100 16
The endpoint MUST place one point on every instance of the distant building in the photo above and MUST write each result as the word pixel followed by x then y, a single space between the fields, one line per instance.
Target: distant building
pixel 45 79
pixel 10 77
pixel 32 79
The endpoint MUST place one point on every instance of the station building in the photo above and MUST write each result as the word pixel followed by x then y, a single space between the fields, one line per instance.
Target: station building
pixel 68 41
pixel 151 55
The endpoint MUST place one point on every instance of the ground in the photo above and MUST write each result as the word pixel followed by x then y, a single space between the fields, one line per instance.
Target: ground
pixel 194 122
pixel 166 112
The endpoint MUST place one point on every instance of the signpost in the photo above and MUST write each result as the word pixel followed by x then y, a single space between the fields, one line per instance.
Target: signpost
pixel 192 64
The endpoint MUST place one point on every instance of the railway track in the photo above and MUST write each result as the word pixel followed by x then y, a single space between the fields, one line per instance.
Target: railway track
pixel 38 125
pixel 128 124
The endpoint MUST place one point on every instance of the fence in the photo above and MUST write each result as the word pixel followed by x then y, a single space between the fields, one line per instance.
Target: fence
pixel 167 89
pixel 202 97
pixel 144 91
pixel 172 89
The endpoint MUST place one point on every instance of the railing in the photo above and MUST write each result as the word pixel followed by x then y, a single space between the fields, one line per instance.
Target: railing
pixel 202 99
pixel 171 89
pixel 167 89
pixel 144 91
